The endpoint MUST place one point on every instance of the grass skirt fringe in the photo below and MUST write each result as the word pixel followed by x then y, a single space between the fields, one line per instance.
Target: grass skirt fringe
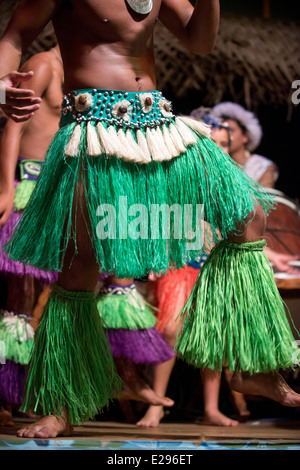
pixel 128 311
pixel 23 192
pixel 140 346
pixel 17 335
pixel 130 326
pixel 235 315
pixel 71 367
pixel 12 377
pixel 214 180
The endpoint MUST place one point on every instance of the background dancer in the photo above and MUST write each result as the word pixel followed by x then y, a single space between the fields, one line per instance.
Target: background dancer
pixel 22 150
pixel 130 324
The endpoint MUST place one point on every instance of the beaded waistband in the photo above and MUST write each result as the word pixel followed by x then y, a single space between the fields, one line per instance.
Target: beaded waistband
pixel 116 289
pixel 121 108
pixel 135 127
pixel 28 169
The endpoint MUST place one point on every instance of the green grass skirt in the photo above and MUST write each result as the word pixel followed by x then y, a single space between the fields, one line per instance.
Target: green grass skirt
pixel 17 337
pixel 235 315
pixel 71 366
pixel 202 175
pixel 126 311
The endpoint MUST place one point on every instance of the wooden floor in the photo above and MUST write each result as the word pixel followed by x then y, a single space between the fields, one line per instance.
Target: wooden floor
pixel 107 435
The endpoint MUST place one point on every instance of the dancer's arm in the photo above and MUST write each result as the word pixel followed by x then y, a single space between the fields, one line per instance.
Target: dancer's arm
pixel 28 20
pixel 196 27
pixel 281 261
pixel 12 134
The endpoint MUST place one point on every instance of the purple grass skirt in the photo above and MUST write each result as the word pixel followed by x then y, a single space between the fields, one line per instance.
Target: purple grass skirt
pixel 12 377
pixel 140 346
pixel 8 266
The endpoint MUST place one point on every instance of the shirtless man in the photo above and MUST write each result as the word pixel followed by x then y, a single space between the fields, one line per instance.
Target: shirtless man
pixel 111 49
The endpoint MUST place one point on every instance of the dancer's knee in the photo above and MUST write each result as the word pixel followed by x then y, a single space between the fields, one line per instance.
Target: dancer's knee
pixel 170 332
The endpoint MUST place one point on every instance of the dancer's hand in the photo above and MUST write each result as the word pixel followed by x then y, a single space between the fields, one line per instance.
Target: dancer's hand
pixel 18 104
pixel 6 205
pixel 281 261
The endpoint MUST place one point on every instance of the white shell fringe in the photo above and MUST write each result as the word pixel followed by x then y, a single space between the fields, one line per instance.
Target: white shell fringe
pixel 157 144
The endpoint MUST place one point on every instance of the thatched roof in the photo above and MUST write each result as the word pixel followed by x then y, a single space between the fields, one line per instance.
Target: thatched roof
pixel 255 60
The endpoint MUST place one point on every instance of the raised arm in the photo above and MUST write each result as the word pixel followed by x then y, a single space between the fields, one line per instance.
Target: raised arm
pixel 13 132
pixel 196 27
pixel 28 20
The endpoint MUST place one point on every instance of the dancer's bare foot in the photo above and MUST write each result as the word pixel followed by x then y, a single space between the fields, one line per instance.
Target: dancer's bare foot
pixel 270 385
pixel 143 393
pixel 214 417
pixel 6 419
pixel 48 426
pixel 238 399
pixel 152 417
pixel 135 387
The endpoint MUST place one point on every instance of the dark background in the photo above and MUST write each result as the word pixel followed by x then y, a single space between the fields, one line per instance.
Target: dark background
pixel 281 125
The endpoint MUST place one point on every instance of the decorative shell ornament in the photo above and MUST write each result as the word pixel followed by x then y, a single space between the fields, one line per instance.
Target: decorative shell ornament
pixel 141 6
pixel 83 102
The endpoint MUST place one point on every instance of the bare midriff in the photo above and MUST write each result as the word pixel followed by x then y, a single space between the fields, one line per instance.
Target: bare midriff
pixel 104 44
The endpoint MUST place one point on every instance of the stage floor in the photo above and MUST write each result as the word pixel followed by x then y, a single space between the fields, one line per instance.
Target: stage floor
pixel 272 434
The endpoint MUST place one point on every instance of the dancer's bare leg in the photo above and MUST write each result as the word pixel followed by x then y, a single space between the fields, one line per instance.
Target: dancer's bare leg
pixel 6 419
pixel 154 414
pixel 162 374
pixel 21 294
pixel 238 398
pixel 271 385
pixel 40 306
pixel 211 391
pixel 81 273
pixel 137 389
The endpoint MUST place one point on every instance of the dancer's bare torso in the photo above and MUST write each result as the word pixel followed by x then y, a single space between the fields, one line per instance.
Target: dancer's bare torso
pixel 105 44
pixel 37 135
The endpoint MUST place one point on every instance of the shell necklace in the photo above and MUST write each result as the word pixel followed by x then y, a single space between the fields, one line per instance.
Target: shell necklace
pixel 141 6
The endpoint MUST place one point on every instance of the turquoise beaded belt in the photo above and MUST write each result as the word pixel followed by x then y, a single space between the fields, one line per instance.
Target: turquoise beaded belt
pixel 135 127
pixel 121 108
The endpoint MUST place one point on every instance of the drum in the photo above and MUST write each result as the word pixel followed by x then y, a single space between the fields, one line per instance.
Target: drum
pixel 283 227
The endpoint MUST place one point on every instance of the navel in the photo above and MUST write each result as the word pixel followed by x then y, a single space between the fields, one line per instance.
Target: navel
pixel 139 82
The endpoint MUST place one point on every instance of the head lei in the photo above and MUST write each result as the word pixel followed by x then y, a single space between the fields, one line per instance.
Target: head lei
pixel 205 115
pixel 245 119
